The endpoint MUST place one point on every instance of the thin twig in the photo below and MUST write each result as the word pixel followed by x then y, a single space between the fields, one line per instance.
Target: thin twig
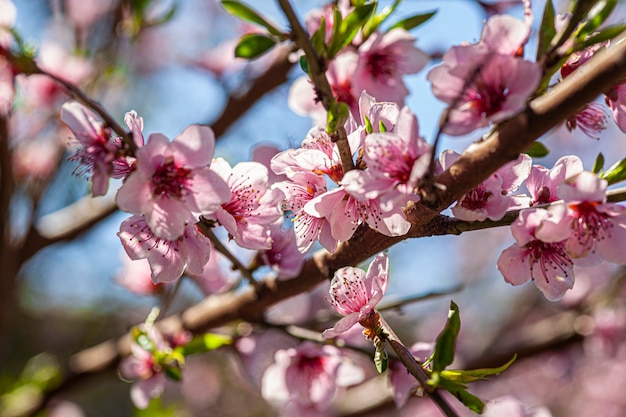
pixel 208 232
pixel 415 369
pixel 322 86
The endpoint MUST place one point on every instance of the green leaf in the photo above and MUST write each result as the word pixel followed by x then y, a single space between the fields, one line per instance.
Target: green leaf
pixel 537 150
pixel 319 39
pixel 381 360
pixel 598 165
pixel 605 34
pixel 246 13
pixel 547 30
pixel 205 343
pixel 414 21
pixel 616 173
pixel 368 125
pixel 460 392
pixel 378 18
pixel 337 117
pixel 594 22
pixel 446 341
pixel 467 376
pixel 303 64
pixel 253 45
pixel 174 373
pixel 346 29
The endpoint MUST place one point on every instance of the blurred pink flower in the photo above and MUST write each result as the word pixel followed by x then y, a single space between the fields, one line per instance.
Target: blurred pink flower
pixel 511 407
pixel 99 156
pixel 283 257
pixel 616 100
pixel 85 13
pixel 308 376
pixel 384 58
pixel 173 184
pixel 499 86
pixel 355 293
pixel 136 277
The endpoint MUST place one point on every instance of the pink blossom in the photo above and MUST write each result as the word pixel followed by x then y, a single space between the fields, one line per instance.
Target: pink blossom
pixel 144 367
pixel 505 34
pixel 539 254
pixel 511 407
pixel 491 199
pixel 345 213
pixel 217 275
pixel 598 227
pixel 8 15
pixel 41 90
pixel 303 99
pixel 299 190
pixel 355 293
pixel 252 208
pixel 136 277
pixel 309 376
pixel 168 258
pixel 395 163
pixel 499 86
pixel 591 119
pixel 375 114
pixel 173 184
pixel 543 184
pixel 7 86
pixel 383 60
pixel 85 13
pixel 99 156
pixel 616 100
pixel 283 257
pixel 263 154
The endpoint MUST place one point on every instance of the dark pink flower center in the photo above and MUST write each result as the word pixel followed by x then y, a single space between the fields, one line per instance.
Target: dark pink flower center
pixel 476 199
pixel 551 258
pixel 170 180
pixel 381 64
pixel 589 224
pixel 486 98
pixel 244 200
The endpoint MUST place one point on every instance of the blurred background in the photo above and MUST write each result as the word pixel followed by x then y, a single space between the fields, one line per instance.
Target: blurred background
pixel 172 62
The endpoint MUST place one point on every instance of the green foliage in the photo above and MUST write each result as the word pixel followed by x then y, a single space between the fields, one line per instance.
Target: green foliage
pixel 446 341
pixel 603 35
pixel 414 21
pixel 381 359
pixel 250 15
pixel 205 342
pixel 547 30
pixel 537 150
pixel 344 30
pixel 337 117
pixel 616 173
pixel 378 18
pixel 253 45
pixel 156 408
pixel 593 21
pixel 598 164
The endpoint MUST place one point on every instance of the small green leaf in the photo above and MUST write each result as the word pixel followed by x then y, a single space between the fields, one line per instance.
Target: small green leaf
pixel 174 373
pixel 598 165
pixel 381 360
pixel 205 343
pixel 381 127
pixel 546 30
pixel 605 34
pixel 253 45
pixel 414 21
pixel 345 30
pixel 319 39
pixel 446 341
pixel 595 21
pixel 378 18
pixel 368 125
pixel 616 173
pixel 537 150
pixel 337 117
pixel 304 64
pixel 460 392
pixel 467 376
pixel 246 13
